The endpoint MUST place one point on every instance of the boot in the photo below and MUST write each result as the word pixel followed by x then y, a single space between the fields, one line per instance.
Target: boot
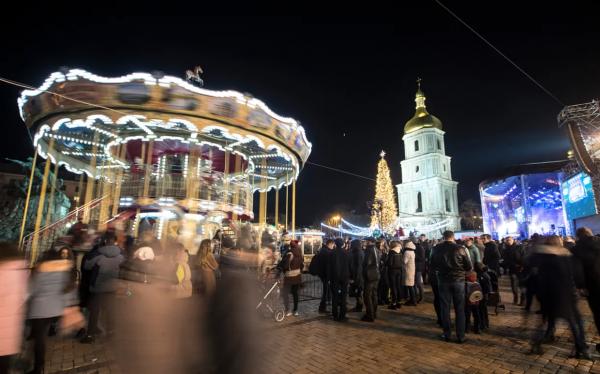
pixel 522 301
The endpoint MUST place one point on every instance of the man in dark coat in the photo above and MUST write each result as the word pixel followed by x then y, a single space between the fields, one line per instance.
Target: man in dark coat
pixel 491 254
pixel 338 274
pixel 557 295
pixel 370 269
pixel 356 273
pixel 451 262
pixel 587 254
pixel 513 263
pixel 321 263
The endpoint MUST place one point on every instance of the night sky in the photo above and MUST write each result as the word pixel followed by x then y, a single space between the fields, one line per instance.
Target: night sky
pixel 349 81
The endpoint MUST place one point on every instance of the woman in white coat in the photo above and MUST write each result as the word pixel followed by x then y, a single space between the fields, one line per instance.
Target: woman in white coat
pixel 408 276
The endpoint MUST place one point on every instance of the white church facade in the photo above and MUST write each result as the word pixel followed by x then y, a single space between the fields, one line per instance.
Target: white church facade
pixel 427 196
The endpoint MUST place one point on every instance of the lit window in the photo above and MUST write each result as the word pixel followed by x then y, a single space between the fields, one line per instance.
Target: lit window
pixel 439 144
pixel 419 203
pixel 417 170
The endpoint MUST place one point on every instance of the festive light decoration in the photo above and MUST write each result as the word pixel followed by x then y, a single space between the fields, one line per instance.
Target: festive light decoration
pixel 384 196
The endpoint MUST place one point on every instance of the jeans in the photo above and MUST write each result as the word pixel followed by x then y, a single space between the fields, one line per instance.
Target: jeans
pixel 410 290
pixel 339 292
pixel 483 313
pixel 419 286
pixel 39 332
pixel 453 293
pixel 359 298
pixel 293 289
pixel 396 285
pixel 325 295
pixel 575 325
pixel 371 299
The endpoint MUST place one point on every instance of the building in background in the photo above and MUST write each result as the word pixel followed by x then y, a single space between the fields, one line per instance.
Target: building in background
pixel 427 196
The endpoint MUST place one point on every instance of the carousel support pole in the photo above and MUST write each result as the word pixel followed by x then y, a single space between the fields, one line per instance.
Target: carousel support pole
pixel 263 195
pixel 236 188
pixel 105 181
pixel 148 169
pixel 226 179
pixel 40 209
pixel 294 208
pixel 210 187
pixel 277 209
pixel 24 220
pixel 287 204
pixel 136 224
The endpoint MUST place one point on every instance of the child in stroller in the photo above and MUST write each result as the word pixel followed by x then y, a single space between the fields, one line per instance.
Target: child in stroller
pixel 270 303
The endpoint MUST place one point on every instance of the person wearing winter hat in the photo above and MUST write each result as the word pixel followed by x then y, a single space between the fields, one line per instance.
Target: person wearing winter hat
pixel 408 278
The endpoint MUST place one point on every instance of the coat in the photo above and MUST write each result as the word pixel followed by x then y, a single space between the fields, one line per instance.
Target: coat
pixel 48 294
pixel 356 273
pixel 13 288
pixel 108 262
pixel 371 265
pixel 183 288
pixel 419 258
pixel 587 255
pixel 338 270
pixel 491 257
pixel 556 290
pixel 292 265
pixel 408 275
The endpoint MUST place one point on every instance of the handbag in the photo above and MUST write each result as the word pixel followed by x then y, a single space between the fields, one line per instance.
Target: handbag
pixel 72 319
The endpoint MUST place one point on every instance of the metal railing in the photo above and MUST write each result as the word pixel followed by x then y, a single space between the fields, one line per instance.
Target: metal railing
pixel 50 232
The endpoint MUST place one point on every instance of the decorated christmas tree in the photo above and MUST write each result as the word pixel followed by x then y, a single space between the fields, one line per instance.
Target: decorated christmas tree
pixel 384 203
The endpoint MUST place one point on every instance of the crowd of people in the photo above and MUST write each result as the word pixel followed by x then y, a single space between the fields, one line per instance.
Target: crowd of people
pixel 109 287
pixel 464 275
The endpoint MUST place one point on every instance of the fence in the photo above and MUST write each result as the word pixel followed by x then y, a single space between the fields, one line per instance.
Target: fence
pixel 311 288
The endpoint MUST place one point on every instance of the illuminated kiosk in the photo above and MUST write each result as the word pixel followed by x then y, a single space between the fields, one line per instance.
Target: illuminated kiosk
pixel 524 200
pixel 156 145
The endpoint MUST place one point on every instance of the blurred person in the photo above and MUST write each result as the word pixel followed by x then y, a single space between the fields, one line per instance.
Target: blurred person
pixel 557 295
pixel 371 274
pixel 569 242
pixel 408 272
pixel 433 281
pixel 356 274
pixel 338 273
pixel 395 265
pixel 451 263
pixel 291 266
pixel 479 244
pixel 51 291
pixel 587 253
pixel 426 245
pixel 13 288
pixel 207 267
pixel 513 264
pixel 103 285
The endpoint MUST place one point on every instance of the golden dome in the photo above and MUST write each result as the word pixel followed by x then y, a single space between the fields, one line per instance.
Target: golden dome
pixel 422 119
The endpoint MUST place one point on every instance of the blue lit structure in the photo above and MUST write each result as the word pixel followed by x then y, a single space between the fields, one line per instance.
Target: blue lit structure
pixel 524 200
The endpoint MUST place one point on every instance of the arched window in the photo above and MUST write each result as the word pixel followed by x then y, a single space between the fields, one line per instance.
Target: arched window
pixel 417 169
pixel 419 203
pixel 439 144
pixel 448 204
pixel 416 145
pixel 444 167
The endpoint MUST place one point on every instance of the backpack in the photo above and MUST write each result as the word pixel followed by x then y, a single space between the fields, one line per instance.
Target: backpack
pixel 474 293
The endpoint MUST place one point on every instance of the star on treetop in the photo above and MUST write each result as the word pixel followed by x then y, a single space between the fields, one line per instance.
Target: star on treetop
pixel 382 154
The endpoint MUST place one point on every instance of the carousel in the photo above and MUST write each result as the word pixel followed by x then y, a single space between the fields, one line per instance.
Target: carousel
pixel 159 150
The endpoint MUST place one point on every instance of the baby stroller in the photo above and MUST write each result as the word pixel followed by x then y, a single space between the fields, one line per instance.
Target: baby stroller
pixel 494 297
pixel 270 303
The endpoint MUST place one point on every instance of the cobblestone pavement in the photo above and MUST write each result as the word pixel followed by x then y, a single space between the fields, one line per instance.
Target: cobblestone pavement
pixel 400 341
